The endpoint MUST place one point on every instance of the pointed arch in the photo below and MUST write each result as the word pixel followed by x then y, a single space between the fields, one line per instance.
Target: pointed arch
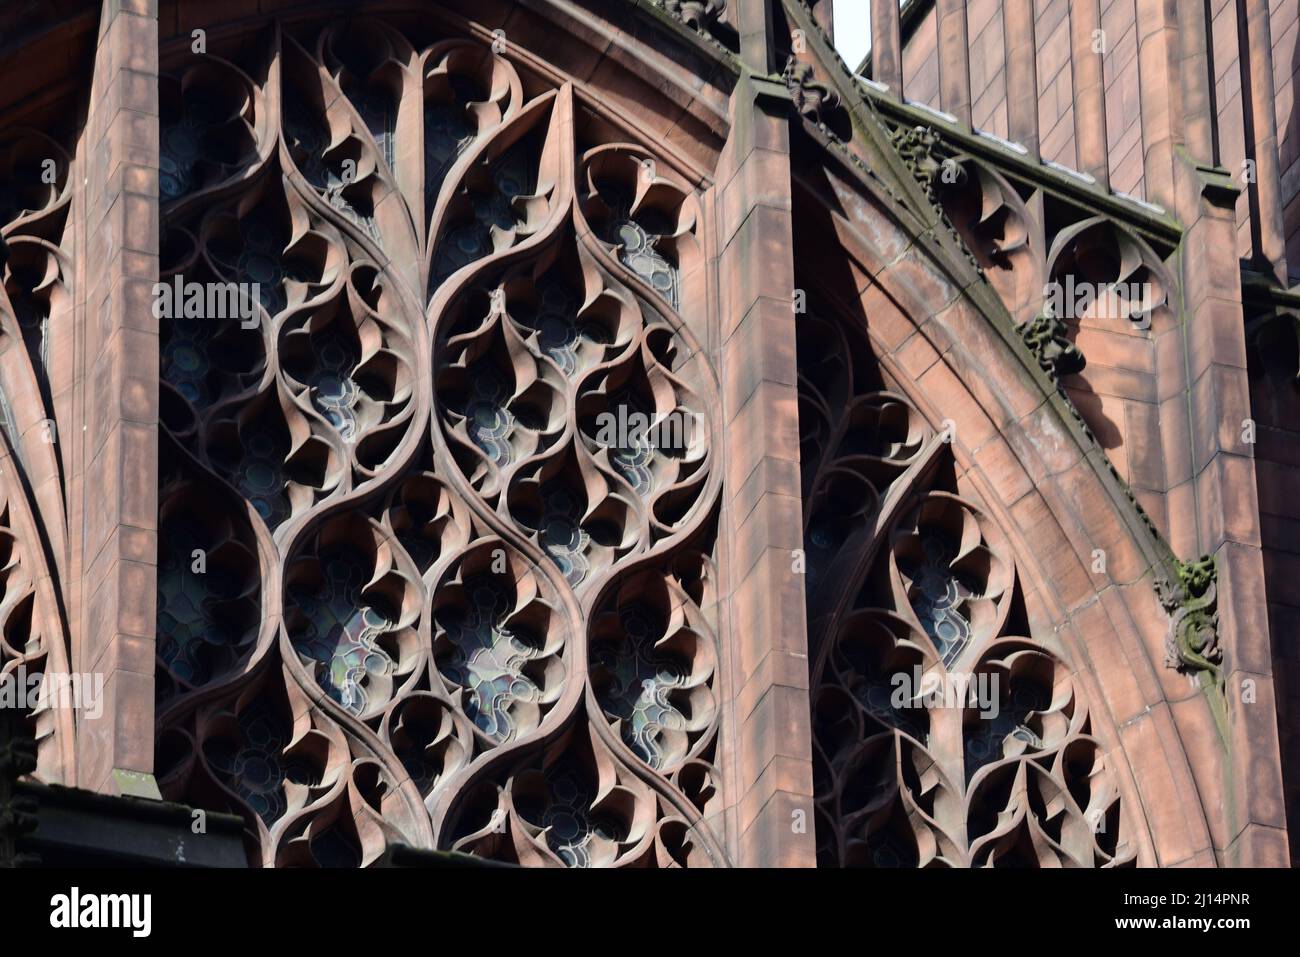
pixel 933 332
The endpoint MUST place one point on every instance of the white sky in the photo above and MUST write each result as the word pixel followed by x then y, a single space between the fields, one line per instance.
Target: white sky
pixel 853 30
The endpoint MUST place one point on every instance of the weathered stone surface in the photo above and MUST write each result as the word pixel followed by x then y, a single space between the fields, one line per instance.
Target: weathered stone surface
pixel 613 420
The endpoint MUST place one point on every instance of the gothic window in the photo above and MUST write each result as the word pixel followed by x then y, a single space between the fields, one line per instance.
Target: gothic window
pixel 37 229
pixel 450 598
pixel 945 734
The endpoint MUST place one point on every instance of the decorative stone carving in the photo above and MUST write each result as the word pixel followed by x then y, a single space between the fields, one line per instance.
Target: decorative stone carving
pixel 1046 338
pixel 697 14
pixel 1131 283
pixel 939 176
pixel 995 224
pixel 708 18
pixel 468 421
pixel 931 597
pixel 919 148
pixel 37 223
pixel 814 101
pixel 1190 598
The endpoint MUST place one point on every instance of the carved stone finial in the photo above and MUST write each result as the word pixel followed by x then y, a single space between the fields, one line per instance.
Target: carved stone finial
pixel 1057 355
pixel 1191 601
pixel 814 101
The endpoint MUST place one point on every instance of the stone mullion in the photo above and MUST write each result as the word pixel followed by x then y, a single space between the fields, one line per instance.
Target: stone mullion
pixel 113 487
pixel 766 636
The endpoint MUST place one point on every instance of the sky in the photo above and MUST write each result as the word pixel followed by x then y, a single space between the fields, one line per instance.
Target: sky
pixel 853 30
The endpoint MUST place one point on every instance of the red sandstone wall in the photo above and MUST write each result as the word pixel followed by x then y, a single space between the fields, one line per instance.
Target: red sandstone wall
pixel 921 64
pixel 988 81
pixel 1123 105
pixel 1123 83
pixel 1118 393
pixel 1055 84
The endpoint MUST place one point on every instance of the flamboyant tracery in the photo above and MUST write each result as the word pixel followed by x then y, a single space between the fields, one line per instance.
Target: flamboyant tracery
pixel 444 556
pixel 452 608
pixel 37 230
pixel 944 734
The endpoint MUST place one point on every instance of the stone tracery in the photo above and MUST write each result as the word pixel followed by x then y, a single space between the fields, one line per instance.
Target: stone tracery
pixel 941 738
pixel 415 427
pixel 37 225
pixel 467 269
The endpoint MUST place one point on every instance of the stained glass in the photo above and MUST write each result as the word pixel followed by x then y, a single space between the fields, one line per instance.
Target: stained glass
pixel 342 631
pixel 938 595
pixel 489 659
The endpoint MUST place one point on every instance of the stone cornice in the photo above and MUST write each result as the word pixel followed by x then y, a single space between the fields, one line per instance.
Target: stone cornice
pixel 657 12
pixel 1141 218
